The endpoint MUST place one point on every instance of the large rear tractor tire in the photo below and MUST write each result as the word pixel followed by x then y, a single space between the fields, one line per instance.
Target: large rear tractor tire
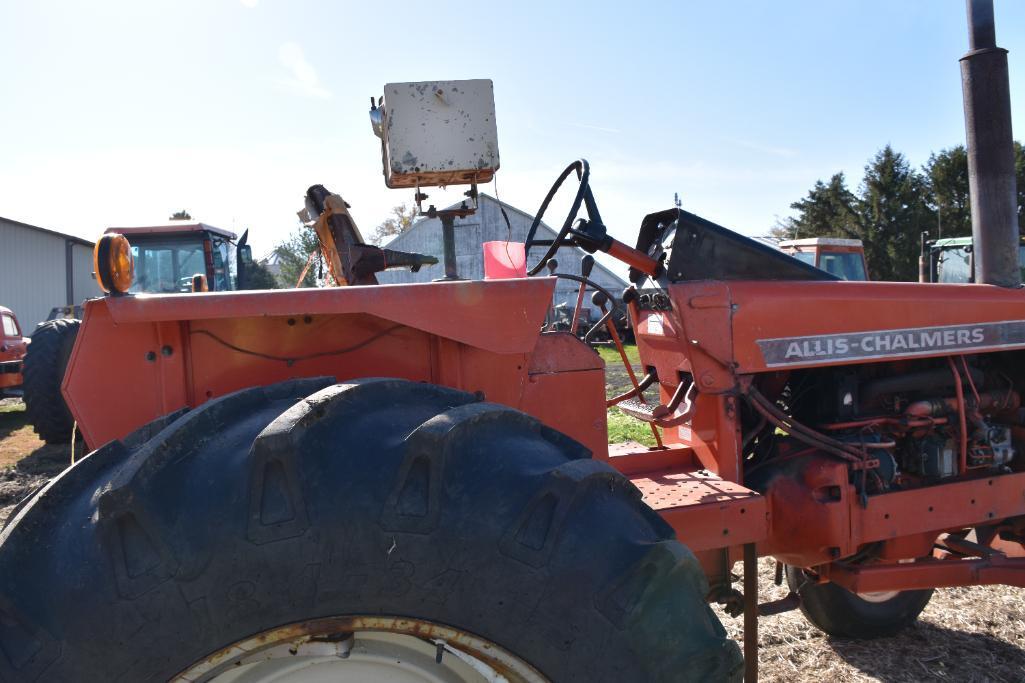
pixel 370 530
pixel 844 614
pixel 46 359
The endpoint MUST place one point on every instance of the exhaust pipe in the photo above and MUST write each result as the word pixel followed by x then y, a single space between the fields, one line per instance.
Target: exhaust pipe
pixel 987 110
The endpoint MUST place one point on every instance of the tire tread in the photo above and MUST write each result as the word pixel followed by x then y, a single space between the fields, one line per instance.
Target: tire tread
pixel 43 371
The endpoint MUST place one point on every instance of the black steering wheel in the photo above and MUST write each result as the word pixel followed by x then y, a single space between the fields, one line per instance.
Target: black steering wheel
pixel 583 196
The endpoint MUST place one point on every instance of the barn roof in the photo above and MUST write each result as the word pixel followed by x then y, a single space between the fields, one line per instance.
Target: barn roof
pixel 72 238
pixel 396 242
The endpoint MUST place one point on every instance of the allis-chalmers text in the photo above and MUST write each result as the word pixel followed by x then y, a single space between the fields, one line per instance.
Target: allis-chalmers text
pixel 892 343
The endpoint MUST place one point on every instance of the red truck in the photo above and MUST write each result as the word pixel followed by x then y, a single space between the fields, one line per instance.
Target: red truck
pixel 12 350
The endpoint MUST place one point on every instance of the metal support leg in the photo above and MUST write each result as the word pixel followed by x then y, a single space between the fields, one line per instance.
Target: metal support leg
pixel 750 614
pixel 449 239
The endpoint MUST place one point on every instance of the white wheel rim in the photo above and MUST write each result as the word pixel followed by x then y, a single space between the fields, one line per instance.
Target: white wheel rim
pixel 878 596
pixel 362 649
pixel 883 596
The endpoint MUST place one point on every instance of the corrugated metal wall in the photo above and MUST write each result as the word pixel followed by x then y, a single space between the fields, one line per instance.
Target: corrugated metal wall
pixel 83 283
pixel 34 272
pixel 487 225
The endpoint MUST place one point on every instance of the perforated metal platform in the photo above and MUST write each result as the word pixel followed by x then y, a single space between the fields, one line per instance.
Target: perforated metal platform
pixel 664 490
pixel 706 511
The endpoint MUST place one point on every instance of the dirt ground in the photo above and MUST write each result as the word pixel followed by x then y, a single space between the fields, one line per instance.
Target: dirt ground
pixel 965 634
pixel 975 634
pixel 26 463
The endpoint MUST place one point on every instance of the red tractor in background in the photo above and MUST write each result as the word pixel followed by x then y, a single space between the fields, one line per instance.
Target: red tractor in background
pixel 186 257
pixel 12 351
pixel 178 257
pixel 393 483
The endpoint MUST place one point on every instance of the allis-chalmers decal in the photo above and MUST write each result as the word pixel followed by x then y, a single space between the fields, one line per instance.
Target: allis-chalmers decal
pixel 914 341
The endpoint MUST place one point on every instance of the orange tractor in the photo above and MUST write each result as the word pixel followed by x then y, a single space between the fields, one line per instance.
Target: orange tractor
pixel 180 257
pixel 409 482
pixel 842 257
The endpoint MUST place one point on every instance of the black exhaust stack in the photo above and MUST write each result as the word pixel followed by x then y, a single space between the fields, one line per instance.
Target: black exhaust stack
pixel 987 111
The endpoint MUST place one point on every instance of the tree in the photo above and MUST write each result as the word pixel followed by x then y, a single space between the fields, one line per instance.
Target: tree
pixel 886 214
pixel 826 212
pixel 1019 171
pixel 293 255
pixel 893 206
pixel 892 214
pixel 947 174
pixel 947 193
pixel 258 276
pixel 182 215
pixel 402 219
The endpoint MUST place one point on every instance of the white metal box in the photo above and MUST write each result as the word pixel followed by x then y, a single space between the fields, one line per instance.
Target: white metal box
pixel 439 133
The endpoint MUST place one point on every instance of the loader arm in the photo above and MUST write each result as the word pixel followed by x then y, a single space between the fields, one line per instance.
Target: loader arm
pixel 350 260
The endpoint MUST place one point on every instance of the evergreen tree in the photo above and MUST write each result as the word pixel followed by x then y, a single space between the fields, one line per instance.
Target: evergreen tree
pixel 947 193
pixel 893 206
pixel 826 212
pixel 1019 168
pixel 892 213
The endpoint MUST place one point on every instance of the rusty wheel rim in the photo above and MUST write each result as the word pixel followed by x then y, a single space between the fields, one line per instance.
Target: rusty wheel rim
pixel 365 648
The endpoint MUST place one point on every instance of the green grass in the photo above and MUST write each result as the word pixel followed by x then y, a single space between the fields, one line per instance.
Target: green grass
pixel 611 356
pixel 622 428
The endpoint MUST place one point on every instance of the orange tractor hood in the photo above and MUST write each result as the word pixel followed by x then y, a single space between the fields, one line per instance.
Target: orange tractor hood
pixel 744 327
pixel 790 325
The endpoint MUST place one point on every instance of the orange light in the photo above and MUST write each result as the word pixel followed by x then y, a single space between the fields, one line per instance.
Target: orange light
pixel 113 263
pixel 199 283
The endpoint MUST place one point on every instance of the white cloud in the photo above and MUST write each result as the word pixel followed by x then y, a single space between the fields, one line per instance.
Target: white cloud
pixel 249 3
pixel 302 76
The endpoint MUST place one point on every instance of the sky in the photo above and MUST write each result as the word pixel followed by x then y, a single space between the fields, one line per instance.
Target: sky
pixel 121 112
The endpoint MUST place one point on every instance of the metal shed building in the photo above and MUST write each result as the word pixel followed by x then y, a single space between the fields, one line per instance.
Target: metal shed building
pixel 41 269
pixel 488 225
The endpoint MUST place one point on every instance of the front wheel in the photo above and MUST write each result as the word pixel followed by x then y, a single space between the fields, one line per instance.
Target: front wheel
pixel 844 614
pixel 46 360
pixel 370 530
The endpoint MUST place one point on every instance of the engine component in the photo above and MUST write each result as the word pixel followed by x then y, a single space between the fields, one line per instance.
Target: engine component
pixel 940 378
pixel 994 447
pixel 846 396
pixel 886 470
pixel 936 457
pixel 995 400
